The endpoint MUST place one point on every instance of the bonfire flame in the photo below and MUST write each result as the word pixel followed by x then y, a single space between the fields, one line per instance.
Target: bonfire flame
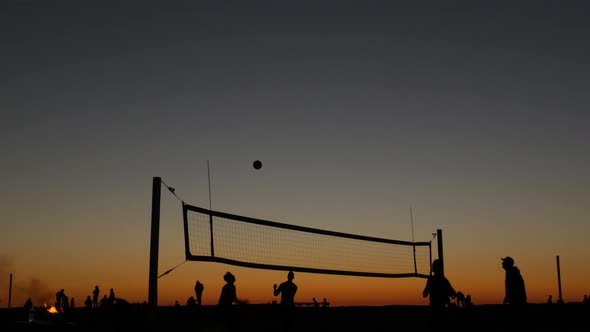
pixel 52 310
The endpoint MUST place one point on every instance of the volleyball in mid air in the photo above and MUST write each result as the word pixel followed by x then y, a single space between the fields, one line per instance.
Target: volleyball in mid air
pixel 257 164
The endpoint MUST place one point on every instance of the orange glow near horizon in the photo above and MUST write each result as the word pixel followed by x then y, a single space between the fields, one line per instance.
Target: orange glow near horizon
pixel 485 286
pixel 484 282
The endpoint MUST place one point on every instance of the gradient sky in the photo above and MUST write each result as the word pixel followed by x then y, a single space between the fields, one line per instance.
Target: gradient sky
pixel 474 115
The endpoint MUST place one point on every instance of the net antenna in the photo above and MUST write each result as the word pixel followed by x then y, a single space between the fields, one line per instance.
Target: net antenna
pixel 222 237
pixel 210 208
pixel 209 182
pixel 414 248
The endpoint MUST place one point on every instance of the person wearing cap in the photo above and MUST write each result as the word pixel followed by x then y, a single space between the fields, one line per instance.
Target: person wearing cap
pixel 515 293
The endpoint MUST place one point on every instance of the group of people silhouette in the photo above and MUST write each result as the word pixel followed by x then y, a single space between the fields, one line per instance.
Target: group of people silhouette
pixel 324 303
pixel 106 301
pixel 228 296
pixel 286 289
pixel 440 292
pixel 62 302
pixel 438 289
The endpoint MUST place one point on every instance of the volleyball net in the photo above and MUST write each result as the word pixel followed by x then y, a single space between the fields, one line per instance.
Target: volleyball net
pixel 249 242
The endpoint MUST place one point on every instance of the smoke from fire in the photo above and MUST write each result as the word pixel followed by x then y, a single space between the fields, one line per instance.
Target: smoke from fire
pixel 22 287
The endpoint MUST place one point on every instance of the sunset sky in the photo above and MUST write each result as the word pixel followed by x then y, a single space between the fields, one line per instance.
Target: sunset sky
pixel 474 115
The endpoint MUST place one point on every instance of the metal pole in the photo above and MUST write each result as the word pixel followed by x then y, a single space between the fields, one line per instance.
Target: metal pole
pixel 414 245
pixel 10 292
pixel 439 245
pixel 154 243
pixel 560 300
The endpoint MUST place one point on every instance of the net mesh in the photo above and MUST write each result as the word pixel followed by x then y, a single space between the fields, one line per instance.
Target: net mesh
pixel 238 240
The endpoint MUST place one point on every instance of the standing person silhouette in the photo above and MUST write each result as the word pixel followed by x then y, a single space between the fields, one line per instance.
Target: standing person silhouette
pixel 287 289
pixel 111 298
pixel 28 305
pixel 59 296
pixel 226 300
pixel 439 290
pixel 199 291
pixel 515 293
pixel 95 294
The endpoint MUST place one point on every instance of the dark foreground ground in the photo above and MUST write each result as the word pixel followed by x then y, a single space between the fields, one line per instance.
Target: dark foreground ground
pixel 258 317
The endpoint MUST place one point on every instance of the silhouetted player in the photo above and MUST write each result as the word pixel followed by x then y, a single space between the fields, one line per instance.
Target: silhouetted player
pixel 287 289
pixel 439 290
pixel 226 300
pixel 515 293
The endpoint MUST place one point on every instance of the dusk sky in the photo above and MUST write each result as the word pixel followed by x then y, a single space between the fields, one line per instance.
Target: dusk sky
pixel 473 113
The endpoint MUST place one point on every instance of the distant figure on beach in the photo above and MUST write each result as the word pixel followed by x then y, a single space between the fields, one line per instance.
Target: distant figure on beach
pixel 95 295
pixel 468 303
pixel 88 302
pixel 199 291
pixel 439 291
pixel 315 303
pixel 111 299
pixel 287 289
pixel 325 304
pixel 59 299
pixel 28 305
pixel 29 309
pixel 550 299
pixel 65 303
pixel 515 293
pixel 226 300
pixel 460 299
pixel 104 302
pixel 191 302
